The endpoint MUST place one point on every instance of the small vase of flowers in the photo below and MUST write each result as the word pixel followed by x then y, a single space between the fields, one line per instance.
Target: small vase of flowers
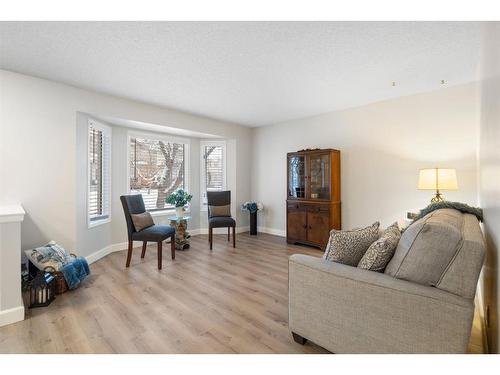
pixel 179 199
pixel 252 207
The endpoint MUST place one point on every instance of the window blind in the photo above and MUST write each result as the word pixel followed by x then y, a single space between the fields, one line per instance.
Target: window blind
pixel 99 172
pixel 213 169
pixel 157 169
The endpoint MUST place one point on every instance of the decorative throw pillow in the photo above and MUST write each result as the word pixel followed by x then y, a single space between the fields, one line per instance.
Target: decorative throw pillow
pixel 50 255
pixel 349 246
pixel 381 251
pixel 142 221
pixel 216 211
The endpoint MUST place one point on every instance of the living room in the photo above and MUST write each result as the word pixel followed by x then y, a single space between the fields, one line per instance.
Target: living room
pixel 218 187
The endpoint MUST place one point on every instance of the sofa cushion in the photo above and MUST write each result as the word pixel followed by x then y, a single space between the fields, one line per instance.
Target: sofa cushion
pixel 142 221
pixel 427 247
pixel 221 222
pixel 462 274
pixel 154 233
pixel 381 251
pixel 349 246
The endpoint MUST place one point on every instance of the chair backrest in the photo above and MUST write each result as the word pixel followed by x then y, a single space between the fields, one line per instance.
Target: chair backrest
pixel 132 204
pixel 218 198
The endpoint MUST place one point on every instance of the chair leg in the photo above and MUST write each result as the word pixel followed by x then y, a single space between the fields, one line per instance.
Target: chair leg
pixel 210 237
pixel 129 254
pixel 160 244
pixel 172 246
pixel 144 244
pixel 228 230
pixel 234 236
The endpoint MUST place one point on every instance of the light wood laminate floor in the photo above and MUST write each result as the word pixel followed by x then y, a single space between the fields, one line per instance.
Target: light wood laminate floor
pixel 224 301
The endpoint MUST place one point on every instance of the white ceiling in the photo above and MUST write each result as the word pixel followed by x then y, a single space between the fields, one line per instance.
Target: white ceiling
pixel 251 73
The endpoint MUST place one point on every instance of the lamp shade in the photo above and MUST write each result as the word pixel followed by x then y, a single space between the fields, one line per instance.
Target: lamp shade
pixel 438 179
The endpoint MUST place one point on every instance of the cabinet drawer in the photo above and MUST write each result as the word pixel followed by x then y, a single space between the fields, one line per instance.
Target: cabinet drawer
pixel 323 208
pixel 295 207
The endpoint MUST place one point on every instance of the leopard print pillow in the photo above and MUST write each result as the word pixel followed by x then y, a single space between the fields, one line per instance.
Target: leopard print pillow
pixel 349 246
pixel 381 251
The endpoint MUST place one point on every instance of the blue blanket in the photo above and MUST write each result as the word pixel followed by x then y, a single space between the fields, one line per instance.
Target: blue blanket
pixel 75 272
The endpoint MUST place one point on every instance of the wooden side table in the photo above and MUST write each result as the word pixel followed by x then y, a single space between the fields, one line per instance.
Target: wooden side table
pixel 181 234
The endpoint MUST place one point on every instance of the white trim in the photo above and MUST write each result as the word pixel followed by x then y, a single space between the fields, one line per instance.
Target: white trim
pixel 99 254
pixel 13 315
pixel 203 144
pixel 12 214
pixel 275 232
pixel 168 212
pixel 107 131
pixel 167 138
pixel 203 231
pixel 482 314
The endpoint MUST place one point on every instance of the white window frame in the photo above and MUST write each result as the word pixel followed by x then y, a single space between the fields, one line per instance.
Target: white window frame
pixel 165 138
pixel 203 144
pixel 107 132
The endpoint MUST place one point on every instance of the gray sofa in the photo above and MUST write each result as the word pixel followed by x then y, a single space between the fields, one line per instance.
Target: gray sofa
pixel 422 303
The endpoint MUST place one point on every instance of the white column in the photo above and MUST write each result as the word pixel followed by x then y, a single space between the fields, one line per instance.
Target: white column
pixel 11 302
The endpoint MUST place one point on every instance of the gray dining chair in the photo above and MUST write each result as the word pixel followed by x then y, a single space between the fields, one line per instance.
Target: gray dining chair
pixel 134 204
pixel 219 214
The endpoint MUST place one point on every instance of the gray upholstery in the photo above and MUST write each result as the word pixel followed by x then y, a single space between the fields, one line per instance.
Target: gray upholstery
pixel 444 249
pixel 154 233
pixel 427 247
pixel 351 310
pixel 221 222
pixel 219 198
pixel 134 204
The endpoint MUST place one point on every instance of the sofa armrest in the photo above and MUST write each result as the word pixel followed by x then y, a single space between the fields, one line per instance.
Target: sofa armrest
pixel 349 310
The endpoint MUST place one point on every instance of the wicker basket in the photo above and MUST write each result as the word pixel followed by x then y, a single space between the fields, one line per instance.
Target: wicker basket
pixel 61 284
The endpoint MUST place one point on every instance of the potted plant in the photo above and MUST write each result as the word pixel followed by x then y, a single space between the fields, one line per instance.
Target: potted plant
pixel 179 199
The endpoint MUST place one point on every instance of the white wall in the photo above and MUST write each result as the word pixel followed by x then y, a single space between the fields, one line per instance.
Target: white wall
pixel 489 176
pixel 383 146
pixel 38 143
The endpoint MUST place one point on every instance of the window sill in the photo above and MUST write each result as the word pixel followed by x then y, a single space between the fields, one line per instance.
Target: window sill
pixel 166 213
pixel 97 223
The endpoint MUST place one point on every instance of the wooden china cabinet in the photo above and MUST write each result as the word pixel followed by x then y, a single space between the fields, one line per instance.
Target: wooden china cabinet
pixel 313 196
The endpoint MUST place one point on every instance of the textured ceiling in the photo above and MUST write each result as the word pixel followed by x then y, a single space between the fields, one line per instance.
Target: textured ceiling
pixel 251 73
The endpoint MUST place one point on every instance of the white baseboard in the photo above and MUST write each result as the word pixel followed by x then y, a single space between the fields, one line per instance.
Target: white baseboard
pixel 95 256
pixel 276 232
pixel 119 246
pixel 9 316
pixel 196 232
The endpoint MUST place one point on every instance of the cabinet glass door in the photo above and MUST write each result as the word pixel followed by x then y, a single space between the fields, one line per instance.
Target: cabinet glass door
pixel 296 176
pixel 320 176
